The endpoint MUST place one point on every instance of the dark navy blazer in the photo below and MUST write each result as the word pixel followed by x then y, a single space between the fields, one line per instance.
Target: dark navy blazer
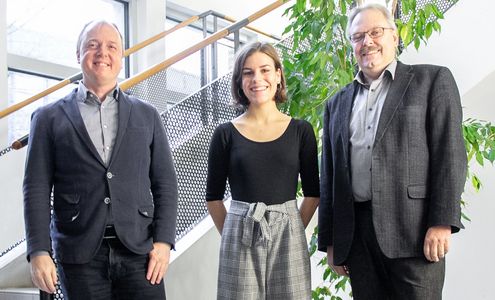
pixel 139 183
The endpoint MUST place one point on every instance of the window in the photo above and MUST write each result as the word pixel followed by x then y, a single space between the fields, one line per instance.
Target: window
pixel 189 69
pixel 42 40
pixel 23 86
pixel 38 29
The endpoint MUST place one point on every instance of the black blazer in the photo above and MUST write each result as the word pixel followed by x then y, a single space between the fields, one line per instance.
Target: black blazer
pixel 140 181
pixel 418 164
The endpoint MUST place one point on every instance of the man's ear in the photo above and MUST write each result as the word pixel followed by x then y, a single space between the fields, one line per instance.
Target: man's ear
pixel 78 55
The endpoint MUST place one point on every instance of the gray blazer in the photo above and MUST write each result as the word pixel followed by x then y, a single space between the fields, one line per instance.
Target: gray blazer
pixel 140 182
pixel 418 164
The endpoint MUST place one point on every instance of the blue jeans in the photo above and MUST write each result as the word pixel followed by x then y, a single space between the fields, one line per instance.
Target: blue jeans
pixel 114 273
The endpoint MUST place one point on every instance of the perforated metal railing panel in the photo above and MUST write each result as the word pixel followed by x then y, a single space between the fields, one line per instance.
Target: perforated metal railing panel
pixel 189 125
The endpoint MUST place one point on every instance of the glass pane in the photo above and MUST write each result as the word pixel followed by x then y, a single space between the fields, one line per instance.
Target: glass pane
pixel 48 30
pixel 189 36
pixel 225 56
pixel 180 41
pixel 23 86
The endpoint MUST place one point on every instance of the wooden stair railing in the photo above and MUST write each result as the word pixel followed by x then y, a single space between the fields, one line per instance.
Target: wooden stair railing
pixel 126 84
pixel 9 110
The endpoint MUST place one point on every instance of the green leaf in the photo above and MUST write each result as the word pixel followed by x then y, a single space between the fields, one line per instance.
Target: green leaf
pixel 465 217
pixel 479 158
pixel 475 182
pixel 436 26
pixel 417 42
pixel 491 156
pixel 300 6
pixel 406 34
pixel 428 30
pixel 436 11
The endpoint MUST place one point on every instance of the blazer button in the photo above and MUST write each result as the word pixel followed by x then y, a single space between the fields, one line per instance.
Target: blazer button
pixel 109 175
pixel 107 200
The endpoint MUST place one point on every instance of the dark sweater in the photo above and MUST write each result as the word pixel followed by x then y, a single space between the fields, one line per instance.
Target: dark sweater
pixel 263 171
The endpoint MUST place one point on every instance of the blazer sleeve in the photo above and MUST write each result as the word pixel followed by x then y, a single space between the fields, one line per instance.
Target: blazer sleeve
pixel 325 210
pixel 37 185
pixel 164 188
pixel 447 152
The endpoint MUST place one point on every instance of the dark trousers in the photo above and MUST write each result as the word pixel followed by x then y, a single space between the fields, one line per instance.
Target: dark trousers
pixel 375 276
pixel 114 273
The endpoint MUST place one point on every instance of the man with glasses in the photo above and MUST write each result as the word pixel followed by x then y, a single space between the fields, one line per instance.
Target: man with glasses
pixel 393 168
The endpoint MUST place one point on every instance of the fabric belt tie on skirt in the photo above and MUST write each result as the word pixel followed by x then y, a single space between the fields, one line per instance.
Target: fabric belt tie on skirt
pixel 255 213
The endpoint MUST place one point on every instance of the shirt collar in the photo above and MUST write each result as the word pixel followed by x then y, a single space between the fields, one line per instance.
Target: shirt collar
pixel 83 94
pixel 390 69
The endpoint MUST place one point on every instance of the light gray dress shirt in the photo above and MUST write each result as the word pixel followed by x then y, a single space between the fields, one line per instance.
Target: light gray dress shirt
pixel 365 116
pixel 101 119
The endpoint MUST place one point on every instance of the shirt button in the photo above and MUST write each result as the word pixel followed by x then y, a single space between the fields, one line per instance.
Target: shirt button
pixel 371 109
pixel 105 126
pixel 369 147
pixel 369 127
pixel 107 200
pixel 109 175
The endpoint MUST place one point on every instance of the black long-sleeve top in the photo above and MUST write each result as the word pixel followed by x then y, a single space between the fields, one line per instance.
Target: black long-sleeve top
pixel 263 171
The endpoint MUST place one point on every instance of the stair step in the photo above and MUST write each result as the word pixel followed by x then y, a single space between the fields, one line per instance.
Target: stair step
pixel 19 294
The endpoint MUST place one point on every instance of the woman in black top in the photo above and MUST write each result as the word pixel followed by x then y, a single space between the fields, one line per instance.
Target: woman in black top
pixel 262 153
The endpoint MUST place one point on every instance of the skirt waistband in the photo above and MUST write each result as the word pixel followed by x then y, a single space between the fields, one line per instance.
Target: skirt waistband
pixel 255 213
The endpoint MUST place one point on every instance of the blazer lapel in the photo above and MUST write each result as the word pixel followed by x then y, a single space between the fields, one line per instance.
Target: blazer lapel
pixel 348 100
pixel 71 109
pixel 395 96
pixel 124 114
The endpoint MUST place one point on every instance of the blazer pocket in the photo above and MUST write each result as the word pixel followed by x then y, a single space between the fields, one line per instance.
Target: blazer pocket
pixel 146 211
pixel 416 191
pixel 66 208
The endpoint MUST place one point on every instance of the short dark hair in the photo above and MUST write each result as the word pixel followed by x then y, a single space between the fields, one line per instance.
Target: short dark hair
pixel 240 98
pixel 83 31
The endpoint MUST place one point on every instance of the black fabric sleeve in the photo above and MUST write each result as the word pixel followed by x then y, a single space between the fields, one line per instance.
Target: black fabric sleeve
pixel 308 156
pixel 218 164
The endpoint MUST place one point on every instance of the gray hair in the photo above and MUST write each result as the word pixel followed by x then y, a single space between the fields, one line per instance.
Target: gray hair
pixel 372 6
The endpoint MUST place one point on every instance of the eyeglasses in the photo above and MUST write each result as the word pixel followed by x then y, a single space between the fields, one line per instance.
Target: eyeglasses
pixel 374 33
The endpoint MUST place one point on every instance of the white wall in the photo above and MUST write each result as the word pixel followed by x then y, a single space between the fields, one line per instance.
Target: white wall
pixel 464 45
pixel 147 20
pixel 471 262
pixel 194 266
